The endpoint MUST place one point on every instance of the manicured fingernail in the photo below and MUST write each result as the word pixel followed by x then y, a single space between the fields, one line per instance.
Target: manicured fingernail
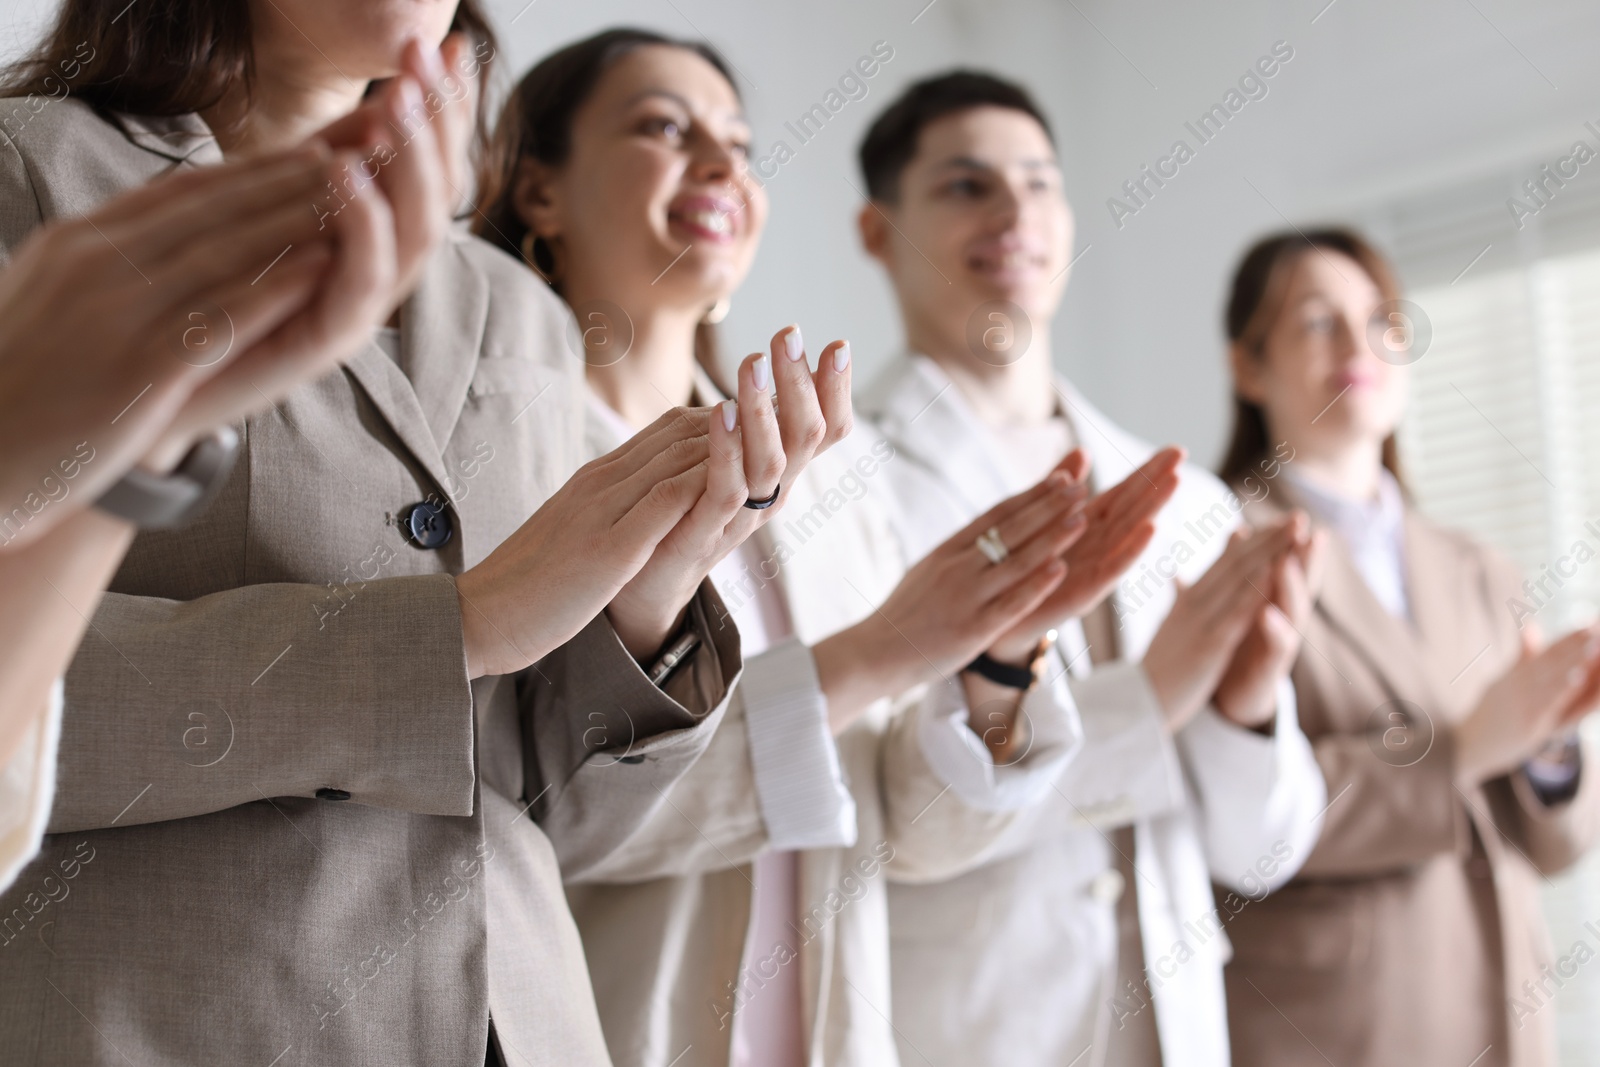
pixel 730 414
pixel 841 357
pixel 793 344
pixel 433 61
pixel 761 371
pixel 410 97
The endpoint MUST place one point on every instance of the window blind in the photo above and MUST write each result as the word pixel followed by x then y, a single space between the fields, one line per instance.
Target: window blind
pixel 1502 435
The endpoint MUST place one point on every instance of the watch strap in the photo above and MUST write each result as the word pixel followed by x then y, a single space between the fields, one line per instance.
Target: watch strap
pixel 167 501
pixel 1005 674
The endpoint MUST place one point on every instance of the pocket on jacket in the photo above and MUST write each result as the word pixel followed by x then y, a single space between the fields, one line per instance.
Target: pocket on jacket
pixel 1305 927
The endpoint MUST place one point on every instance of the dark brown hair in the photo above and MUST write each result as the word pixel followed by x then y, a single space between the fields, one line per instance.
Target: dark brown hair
pixel 172 57
pixel 537 122
pixel 1254 303
pixel 891 141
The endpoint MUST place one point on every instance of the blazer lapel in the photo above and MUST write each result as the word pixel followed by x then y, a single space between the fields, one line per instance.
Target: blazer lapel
pixel 180 138
pixel 441 335
pixel 1391 646
pixel 1440 609
pixel 441 331
pixel 441 324
pixel 924 414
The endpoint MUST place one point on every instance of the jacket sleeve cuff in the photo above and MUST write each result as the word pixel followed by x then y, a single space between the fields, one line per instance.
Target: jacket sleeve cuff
pixel 1133 771
pixel 799 782
pixel 27 785
pixel 1260 797
pixel 960 759
pixel 375 703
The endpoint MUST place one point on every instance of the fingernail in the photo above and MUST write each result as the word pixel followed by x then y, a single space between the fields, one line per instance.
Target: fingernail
pixel 433 61
pixel 841 357
pixel 1575 677
pixel 410 97
pixel 762 373
pixel 793 344
pixel 1592 649
pixel 730 414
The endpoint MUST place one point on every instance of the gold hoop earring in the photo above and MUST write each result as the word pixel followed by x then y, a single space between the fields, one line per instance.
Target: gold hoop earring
pixel 718 311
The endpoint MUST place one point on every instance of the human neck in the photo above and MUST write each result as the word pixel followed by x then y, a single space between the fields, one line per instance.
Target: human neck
pixel 1350 470
pixel 1018 393
pixel 291 97
pixel 658 372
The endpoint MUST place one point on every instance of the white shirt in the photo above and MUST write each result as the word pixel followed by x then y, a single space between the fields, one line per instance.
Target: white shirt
pixel 1373 531
pixel 767 1024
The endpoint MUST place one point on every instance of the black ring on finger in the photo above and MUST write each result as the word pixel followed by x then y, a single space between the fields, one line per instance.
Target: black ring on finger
pixel 762 505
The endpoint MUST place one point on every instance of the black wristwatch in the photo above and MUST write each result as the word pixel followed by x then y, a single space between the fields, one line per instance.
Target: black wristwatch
pixel 1009 675
pixel 166 501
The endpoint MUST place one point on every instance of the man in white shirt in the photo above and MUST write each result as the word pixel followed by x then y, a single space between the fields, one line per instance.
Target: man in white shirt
pixel 1092 934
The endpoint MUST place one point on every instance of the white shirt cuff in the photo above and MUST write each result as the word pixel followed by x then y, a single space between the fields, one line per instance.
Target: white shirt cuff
pixel 800 785
pixel 27 786
pixel 1261 797
pixel 1131 769
pixel 959 758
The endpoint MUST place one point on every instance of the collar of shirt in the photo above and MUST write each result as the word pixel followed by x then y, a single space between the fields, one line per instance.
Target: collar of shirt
pixel 1372 530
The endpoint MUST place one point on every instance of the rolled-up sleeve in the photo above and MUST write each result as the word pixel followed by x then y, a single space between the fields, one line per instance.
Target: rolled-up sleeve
pixel 799 783
pixel 1260 797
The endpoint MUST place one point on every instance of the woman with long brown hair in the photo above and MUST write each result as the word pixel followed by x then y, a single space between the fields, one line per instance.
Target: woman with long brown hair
pixel 748 920
pixel 327 745
pixel 1446 734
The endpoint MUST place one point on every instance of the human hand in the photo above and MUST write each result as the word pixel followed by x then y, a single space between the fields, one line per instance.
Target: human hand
pixel 953 603
pixel 383 210
pixel 562 566
pixel 110 319
pixel 1248 692
pixel 1192 650
pixel 785 414
pixel 1542 695
pixel 1120 524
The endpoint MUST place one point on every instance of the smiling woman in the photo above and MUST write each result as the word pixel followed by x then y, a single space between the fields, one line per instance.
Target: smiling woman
pixel 407 736
pixel 695 245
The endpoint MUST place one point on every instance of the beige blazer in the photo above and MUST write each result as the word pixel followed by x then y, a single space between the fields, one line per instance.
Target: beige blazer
pixel 288 829
pixel 1409 933
pixel 665 921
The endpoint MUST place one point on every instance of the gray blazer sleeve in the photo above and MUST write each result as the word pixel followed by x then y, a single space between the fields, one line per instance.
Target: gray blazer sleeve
pixel 180 708
pixel 604 746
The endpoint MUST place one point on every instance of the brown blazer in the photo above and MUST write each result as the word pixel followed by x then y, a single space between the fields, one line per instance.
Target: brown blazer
pixel 1416 919
pixel 289 831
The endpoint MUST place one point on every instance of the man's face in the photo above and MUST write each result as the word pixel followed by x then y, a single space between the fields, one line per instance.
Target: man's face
pixel 981 217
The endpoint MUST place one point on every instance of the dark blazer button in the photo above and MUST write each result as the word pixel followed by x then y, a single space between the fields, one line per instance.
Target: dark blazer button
pixel 428 525
pixel 332 794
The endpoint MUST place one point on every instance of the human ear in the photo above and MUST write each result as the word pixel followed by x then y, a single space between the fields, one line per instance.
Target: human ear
pixel 874 229
pixel 1249 374
pixel 536 197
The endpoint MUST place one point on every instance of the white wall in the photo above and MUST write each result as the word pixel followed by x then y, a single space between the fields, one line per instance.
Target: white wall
pixel 1380 96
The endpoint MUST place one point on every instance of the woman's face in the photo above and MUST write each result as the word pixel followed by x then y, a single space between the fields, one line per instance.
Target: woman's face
pixel 1319 378
pixel 654 206
pixel 361 39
